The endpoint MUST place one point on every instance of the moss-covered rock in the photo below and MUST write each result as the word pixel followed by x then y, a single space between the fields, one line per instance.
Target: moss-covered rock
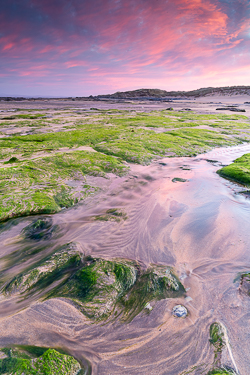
pixel 37 361
pixel 245 284
pixel 40 228
pixel 217 336
pixel 41 275
pixel 238 171
pixel 41 186
pixel 178 179
pixel 98 287
pixel 221 371
pixel 12 160
pixel 217 339
pixel 156 283
pixel 102 287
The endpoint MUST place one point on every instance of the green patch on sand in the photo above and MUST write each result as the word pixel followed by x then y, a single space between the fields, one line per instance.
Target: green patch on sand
pixel 31 360
pixel 23 116
pixel 218 338
pixel 112 215
pixel 221 371
pixel 142 146
pixel 43 185
pixel 40 186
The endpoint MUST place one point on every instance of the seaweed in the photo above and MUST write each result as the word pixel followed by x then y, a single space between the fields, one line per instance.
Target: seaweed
pixel 39 186
pixel 238 171
pixel 112 214
pixel 155 283
pixel 178 179
pixel 36 187
pixel 221 371
pixel 40 228
pixel 98 287
pixel 31 360
pixel 217 336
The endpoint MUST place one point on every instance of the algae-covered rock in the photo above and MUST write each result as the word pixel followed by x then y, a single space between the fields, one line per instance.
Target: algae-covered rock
pixel 221 371
pixel 98 287
pixel 245 284
pixel 12 160
pixel 155 283
pixel 178 179
pixel 44 273
pixel 119 285
pixel 217 334
pixel 39 229
pixel 238 171
pixel 219 339
pixel 37 361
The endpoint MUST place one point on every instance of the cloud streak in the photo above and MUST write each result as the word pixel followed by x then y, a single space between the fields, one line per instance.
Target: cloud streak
pixel 124 44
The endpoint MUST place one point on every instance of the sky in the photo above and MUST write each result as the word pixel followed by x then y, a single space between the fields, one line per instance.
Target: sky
pixel 91 47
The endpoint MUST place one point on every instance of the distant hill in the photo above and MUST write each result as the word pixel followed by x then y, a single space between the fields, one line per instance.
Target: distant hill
pixel 160 94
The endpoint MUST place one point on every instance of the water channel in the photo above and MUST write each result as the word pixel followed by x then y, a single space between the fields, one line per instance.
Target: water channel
pixel 200 227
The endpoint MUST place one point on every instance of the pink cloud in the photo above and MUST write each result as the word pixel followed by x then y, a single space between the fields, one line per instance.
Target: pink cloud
pixel 127 43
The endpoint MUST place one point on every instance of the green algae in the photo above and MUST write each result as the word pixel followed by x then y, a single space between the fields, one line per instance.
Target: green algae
pixel 155 283
pixel 221 371
pixel 118 286
pixel 110 129
pixel 43 273
pixel 12 160
pixel 142 146
pixel 218 340
pixel 23 116
pixel 40 185
pixel 244 283
pixel 238 171
pixel 99 288
pixel 179 179
pixel 112 215
pixel 217 336
pixel 40 228
pixel 27 360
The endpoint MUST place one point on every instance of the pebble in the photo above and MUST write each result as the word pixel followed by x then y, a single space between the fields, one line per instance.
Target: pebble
pixel 179 311
pixel 148 306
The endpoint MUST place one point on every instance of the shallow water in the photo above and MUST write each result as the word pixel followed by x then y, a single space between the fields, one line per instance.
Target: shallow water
pixel 200 227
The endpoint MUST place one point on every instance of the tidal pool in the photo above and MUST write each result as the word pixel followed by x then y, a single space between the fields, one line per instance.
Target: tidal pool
pixel 197 224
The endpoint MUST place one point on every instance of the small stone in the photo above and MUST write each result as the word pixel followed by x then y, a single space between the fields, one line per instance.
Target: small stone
pixel 179 311
pixel 178 179
pixel 148 306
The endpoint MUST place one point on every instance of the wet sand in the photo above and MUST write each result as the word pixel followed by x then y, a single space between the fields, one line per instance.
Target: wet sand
pixel 200 227
pixel 206 104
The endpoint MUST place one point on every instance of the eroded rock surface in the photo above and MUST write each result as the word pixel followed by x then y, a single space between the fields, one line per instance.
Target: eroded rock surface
pixel 98 287
pixel 29 360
